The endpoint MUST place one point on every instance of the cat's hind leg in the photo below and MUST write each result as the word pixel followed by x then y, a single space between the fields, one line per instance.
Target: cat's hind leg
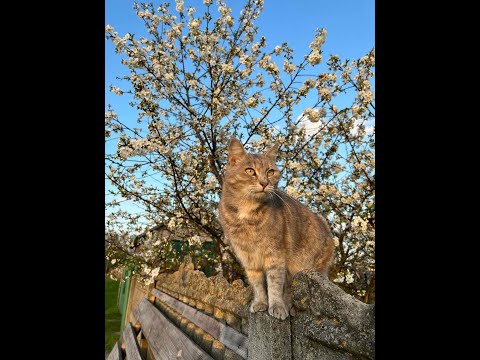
pixel 288 296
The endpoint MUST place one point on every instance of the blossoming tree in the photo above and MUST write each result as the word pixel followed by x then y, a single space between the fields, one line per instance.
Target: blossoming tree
pixel 199 77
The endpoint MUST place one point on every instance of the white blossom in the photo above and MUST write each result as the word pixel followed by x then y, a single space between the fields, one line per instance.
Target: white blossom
pixel 288 67
pixel 194 24
pixel 193 91
pixel 349 278
pixel 179 6
pixel 359 224
pixel 314 58
pixel 251 102
pixel 169 76
pixel 319 40
pixel 314 115
pixel 116 90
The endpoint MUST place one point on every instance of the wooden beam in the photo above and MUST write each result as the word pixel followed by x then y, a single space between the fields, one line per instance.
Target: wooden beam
pixel 165 340
pixel 137 327
pixel 227 335
pixel 131 349
pixel 116 353
pixel 143 346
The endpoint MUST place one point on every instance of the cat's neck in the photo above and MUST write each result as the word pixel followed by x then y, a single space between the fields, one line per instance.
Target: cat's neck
pixel 245 208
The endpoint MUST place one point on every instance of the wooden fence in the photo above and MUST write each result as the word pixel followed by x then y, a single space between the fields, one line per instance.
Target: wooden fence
pixel 188 316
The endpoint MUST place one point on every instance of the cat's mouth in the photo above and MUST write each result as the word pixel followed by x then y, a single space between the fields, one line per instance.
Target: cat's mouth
pixel 260 193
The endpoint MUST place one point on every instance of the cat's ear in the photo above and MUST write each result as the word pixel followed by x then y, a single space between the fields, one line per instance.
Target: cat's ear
pixel 235 151
pixel 272 152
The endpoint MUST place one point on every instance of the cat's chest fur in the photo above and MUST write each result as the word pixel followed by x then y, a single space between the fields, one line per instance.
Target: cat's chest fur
pixel 246 225
pixel 245 213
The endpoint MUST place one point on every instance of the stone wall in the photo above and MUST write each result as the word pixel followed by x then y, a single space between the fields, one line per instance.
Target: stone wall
pixel 329 324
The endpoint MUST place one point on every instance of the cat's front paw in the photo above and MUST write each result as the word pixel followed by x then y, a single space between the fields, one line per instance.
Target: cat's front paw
pixel 258 306
pixel 278 310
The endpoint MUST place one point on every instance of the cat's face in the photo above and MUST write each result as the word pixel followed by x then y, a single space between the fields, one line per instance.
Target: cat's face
pixel 252 175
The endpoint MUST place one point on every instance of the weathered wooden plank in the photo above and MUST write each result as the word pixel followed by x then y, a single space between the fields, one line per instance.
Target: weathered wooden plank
pixel 116 353
pixel 166 341
pixel 230 337
pixel 131 346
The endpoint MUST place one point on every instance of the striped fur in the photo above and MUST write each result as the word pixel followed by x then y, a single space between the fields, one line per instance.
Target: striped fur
pixel 273 235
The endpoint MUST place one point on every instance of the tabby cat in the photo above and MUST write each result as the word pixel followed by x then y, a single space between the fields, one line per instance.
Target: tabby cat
pixel 273 235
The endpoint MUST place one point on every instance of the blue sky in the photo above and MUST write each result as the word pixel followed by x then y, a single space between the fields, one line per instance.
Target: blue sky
pixel 350 25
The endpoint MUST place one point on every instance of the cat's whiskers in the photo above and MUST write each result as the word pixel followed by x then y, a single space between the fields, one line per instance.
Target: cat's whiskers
pixel 270 194
pixel 284 193
pixel 246 197
pixel 286 204
pixel 249 196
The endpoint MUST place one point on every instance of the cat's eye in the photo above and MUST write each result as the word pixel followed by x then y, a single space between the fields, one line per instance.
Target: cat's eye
pixel 270 172
pixel 250 171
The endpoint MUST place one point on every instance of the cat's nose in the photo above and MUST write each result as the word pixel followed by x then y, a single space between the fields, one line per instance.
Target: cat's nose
pixel 264 184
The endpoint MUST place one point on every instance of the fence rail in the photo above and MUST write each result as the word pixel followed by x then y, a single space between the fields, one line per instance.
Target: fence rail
pixel 188 316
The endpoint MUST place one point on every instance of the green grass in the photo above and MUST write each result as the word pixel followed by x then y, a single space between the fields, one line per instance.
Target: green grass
pixel 113 317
